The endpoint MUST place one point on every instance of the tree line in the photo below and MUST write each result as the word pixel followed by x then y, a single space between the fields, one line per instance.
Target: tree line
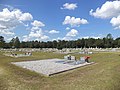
pixel 106 42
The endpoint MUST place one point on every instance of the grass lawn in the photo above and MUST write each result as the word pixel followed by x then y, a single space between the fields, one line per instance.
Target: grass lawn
pixel 104 75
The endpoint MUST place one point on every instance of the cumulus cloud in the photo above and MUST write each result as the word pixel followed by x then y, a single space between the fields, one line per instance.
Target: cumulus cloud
pixel 95 37
pixel 44 37
pixel 36 33
pixel 72 33
pixel 67 38
pixel 115 21
pixel 35 28
pixel 69 6
pixel 25 17
pixel 7 32
pixel 53 31
pixel 67 28
pixel 63 38
pixel 74 21
pixel 111 10
pixel 10 19
pixel 26 38
pixel 108 10
pixel 35 36
pixel 37 23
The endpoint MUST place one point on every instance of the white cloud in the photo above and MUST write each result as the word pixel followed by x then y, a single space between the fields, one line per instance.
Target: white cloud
pixel 35 28
pixel 44 37
pixel 56 39
pixel 66 38
pixel 9 20
pixel 63 38
pixel 108 10
pixel 33 36
pixel 74 21
pixel 67 28
pixel 7 32
pixel 36 33
pixel 53 31
pixel 72 33
pixel 115 21
pixel 38 23
pixel 95 37
pixel 26 17
pixel 26 38
pixel 69 6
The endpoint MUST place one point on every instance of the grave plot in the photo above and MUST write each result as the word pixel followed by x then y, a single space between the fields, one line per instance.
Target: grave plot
pixel 18 55
pixel 50 66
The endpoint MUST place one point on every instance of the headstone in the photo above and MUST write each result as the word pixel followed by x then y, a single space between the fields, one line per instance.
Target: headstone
pixel 82 59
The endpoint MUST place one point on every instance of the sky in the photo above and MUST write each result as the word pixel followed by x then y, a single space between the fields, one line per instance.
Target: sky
pixel 47 20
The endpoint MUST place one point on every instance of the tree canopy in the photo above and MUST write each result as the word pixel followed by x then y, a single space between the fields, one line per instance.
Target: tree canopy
pixel 106 42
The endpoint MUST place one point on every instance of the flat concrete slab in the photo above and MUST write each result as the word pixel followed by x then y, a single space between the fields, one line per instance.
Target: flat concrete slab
pixel 50 66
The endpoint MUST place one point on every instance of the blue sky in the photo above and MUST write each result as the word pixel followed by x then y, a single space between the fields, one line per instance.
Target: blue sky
pixel 48 19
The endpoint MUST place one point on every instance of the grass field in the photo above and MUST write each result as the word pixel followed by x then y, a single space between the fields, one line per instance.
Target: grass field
pixel 104 75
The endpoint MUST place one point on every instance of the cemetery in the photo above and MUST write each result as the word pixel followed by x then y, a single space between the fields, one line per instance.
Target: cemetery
pixel 11 54
pixel 53 66
pixel 49 67
pixel 59 45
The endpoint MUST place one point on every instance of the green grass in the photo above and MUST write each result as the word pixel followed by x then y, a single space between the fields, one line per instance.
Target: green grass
pixel 103 75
